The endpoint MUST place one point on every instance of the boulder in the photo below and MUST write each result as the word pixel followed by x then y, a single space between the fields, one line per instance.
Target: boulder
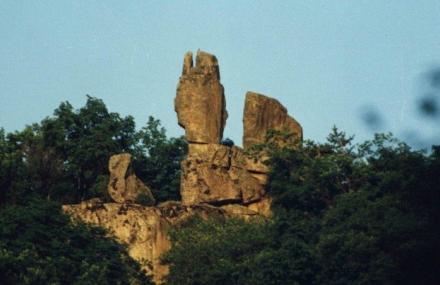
pixel 124 185
pixel 200 102
pixel 262 114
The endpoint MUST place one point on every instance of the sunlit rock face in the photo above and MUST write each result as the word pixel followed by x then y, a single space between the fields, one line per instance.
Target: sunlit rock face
pixel 212 173
pixel 262 114
pixel 217 180
pixel 200 101
pixel 124 185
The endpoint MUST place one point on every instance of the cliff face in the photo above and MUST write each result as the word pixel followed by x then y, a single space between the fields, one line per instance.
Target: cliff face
pixel 217 180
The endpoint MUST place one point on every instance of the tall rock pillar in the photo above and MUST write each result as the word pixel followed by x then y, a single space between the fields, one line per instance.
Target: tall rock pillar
pixel 200 100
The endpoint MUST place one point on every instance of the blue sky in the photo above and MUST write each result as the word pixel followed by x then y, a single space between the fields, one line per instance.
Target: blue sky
pixel 328 62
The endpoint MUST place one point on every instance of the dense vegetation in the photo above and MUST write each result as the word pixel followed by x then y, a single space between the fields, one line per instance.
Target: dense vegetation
pixel 342 215
pixel 64 159
pixel 39 245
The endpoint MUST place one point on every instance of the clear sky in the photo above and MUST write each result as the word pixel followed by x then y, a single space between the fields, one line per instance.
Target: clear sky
pixel 328 62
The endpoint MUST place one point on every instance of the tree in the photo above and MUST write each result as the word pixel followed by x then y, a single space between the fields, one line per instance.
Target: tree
pixel 65 157
pixel 84 140
pixel 157 160
pixel 343 214
pixel 217 252
pixel 39 245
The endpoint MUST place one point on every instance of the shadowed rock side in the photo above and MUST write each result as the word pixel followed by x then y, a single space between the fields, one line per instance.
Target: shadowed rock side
pixel 262 114
pixel 200 101
pixel 124 185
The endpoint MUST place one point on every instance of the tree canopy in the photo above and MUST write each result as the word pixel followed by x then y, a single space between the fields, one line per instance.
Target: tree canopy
pixel 40 245
pixel 64 159
pixel 343 214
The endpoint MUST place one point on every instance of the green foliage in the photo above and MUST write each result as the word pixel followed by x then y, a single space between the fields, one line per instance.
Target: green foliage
pixel 343 214
pixel 158 161
pixel 65 157
pixel 39 245
pixel 83 141
pixel 366 214
pixel 216 252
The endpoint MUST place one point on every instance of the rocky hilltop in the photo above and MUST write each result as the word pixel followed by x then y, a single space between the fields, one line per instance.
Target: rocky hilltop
pixel 217 179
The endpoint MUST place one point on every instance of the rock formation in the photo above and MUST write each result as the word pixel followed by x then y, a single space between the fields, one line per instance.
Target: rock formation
pixel 124 185
pixel 217 180
pixel 200 101
pixel 214 174
pixel 143 229
pixel 262 114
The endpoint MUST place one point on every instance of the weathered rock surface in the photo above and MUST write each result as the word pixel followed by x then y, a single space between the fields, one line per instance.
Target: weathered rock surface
pixel 213 174
pixel 262 114
pixel 200 102
pixel 124 185
pixel 262 207
pixel 145 229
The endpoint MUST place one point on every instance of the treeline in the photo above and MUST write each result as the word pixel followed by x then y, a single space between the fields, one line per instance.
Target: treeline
pixel 343 214
pixel 64 159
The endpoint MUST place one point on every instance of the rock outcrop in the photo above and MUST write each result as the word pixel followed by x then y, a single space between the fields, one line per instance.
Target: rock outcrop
pixel 200 101
pixel 143 229
pixel 214 174
pixel 217 180
pixel 124 185
pixel 262 114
